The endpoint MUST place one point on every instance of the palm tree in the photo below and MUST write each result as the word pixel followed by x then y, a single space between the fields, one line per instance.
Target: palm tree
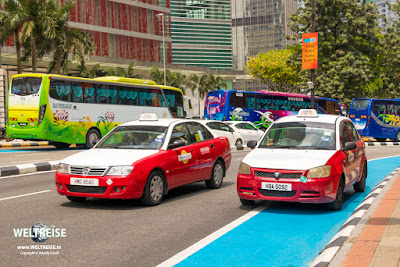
pixel 156 75
pixel 121 72
pixel 10 22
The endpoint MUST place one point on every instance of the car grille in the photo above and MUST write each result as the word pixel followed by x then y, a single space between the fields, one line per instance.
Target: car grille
pixel 275 193
pixel 87 189
pixel 74 170
pixel 295 175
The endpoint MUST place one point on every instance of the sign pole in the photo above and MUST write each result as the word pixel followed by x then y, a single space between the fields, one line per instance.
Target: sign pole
pixel 312 70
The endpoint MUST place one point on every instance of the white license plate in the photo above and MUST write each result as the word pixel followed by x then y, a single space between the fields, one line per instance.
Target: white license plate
pixel 276 186
pixel 84 181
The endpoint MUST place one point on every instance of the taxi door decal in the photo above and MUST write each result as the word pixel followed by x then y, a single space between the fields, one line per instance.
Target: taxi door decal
pixel 184 157
pixel 204 150
pixel 351 156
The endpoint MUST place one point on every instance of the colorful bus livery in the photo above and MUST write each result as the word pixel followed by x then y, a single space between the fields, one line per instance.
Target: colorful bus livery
pixel 261 107
pixel 67 110
pixel 377 118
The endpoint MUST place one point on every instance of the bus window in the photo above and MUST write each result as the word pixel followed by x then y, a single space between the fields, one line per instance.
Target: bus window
pixel 238 100
pixel 129 96
pixel 89 93
pixel 112 94
pixel 60 90
pixel 175 103
pixel 379 107
pixel 264 102
pixel 101 93
pixel 251 102
pixel 77 93
pixel 397 107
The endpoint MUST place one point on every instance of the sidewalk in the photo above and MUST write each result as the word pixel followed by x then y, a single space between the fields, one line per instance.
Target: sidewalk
pixel 378 244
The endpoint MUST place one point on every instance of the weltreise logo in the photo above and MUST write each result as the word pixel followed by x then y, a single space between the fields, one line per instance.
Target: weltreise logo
pixel 39 232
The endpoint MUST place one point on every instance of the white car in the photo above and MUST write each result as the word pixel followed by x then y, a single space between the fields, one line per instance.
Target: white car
pixel 247 129
pixel 218 129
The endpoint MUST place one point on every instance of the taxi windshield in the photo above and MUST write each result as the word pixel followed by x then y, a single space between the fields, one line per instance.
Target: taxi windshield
pixel 134 137
pixel 300 135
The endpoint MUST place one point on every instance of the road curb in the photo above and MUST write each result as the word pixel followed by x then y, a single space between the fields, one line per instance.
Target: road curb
pixel 28 168
pixel 336 243
pixel 24 144
pixel 382 143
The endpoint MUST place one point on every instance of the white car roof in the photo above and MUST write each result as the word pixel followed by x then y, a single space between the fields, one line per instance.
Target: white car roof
pixel 158 122
pixel 323 118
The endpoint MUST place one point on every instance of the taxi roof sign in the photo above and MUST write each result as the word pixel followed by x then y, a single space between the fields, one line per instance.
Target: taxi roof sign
pixel 148 117
pixel 311 113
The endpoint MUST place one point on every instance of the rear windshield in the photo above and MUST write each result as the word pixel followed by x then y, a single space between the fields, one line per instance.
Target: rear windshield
pixel 360 103
pixel 26 86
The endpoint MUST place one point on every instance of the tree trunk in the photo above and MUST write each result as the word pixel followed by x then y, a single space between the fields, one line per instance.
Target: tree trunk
pixel 33 48
pixel 58 62
pixel 18 49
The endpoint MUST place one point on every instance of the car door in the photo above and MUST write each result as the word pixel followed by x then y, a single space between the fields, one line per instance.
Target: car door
pixel 358 155
pixel 242 129
pixel 348 162
pixel 184 159
pixel 203 144
pixel 221 129
pixel 253 132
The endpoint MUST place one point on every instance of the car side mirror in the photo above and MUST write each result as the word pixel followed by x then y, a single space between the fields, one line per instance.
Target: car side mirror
pixel 252 144
pixel 176 143
pixel 349 146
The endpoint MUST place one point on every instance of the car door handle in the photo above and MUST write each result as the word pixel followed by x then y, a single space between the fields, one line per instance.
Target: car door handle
pixel 212 145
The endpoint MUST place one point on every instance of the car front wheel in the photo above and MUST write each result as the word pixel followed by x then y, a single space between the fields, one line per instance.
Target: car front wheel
pixel 338 203
pixel 153 192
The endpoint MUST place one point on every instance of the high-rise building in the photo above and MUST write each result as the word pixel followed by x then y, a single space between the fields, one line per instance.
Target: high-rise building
pixel 201 33
pixel 383 9
pixel 259 26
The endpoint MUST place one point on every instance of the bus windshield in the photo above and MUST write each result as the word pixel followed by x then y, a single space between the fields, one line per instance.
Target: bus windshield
pixel 360 103
pixel 24 86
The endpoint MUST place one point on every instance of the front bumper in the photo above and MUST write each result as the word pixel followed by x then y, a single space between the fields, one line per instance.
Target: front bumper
pixel 321 190
pixel 127 186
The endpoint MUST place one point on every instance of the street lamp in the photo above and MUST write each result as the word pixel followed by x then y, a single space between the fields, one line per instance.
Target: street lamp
pixel 163 40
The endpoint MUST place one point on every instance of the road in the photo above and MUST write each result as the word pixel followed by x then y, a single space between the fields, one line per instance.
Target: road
pixel 121 233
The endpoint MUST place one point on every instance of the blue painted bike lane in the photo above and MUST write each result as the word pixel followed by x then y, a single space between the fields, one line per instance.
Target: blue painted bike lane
pixel 286 234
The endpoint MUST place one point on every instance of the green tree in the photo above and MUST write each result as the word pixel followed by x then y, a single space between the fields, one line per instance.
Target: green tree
pixel 387 61
pixel 10 22
pixel 347 43
pixel 124 73
pixel 275 70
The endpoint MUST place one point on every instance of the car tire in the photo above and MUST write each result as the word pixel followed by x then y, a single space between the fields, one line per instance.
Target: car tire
pixel 338 203
pixel 76 199
pixel 153 192
pixel 217 176
pixel 360 186
pixel 397 138
pixel 92 137
pixel 246 202
pixel 60 145
pixel 239 142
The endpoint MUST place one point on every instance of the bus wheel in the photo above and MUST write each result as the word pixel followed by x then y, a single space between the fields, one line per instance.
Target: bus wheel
pixel 61 145
pixel 397 139
pixel 92 137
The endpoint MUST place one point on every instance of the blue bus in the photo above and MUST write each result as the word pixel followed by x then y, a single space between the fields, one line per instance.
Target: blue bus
pixel 261 107
pixel 377 118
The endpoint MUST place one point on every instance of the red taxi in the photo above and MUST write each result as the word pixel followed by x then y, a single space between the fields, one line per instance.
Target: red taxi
pixel 308 158
pixel 144 159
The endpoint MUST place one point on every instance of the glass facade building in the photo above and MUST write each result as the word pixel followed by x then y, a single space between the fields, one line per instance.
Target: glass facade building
pixel 259 26
pixel 201 33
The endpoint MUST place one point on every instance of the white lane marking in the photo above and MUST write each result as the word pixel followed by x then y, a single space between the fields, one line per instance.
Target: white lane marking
pixel 25 195
pixel 212 237
pixel 26 174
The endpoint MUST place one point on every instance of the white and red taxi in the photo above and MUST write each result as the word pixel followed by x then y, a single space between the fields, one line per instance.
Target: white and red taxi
pixel 308 158
pixel 144 159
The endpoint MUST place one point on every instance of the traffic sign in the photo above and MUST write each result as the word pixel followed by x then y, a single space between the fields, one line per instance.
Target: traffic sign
pixel 310 51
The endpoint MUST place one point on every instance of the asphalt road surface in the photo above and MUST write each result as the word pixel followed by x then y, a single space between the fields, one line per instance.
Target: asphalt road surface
pixel 115 232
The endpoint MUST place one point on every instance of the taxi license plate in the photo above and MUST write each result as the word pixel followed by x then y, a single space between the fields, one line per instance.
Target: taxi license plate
pixel 276 186
pixel 84 181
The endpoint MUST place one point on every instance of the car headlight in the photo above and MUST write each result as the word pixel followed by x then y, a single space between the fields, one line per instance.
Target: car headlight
pixel 244 169
pixel 63 168
pixel 120 170
pixel 319 172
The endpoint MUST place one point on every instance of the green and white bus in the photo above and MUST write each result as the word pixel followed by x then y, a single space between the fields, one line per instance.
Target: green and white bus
pixel 68 110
